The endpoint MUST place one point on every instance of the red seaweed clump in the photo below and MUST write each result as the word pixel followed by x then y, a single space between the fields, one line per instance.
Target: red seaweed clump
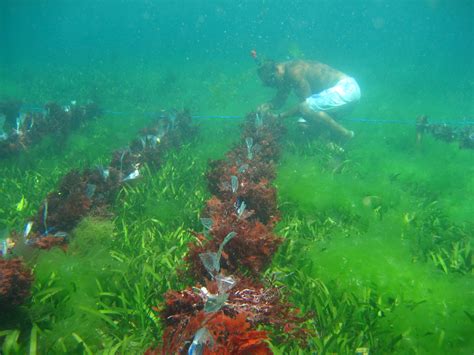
pixel 253 188
pixel 266 131
pixel 226 336
pixel 91 191
pixel 165 132
pixel 105 183
pixel 267 305
pixel 15 282
pixel 180 305
pixel 251 248
pixel 78 195
pixel 248 304
pixel 48 242
pixel 261 198
pixel 63 209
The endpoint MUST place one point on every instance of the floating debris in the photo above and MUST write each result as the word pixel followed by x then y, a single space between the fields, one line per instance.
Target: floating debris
pixel 45 214
pixel 206 223
pixel 132 176
pixel 258 121
pixel 215 302
pixel 125 151
pixel 105 172
pixel 4 248
pixel 237 203
pixel 225 283
pixel 60 234
pixel 3 135
pixel 243 168
pixel 32 123
pixel 90 190
pixel 226 240
pixel 234 182
pixel 19 122
pixel 211 260
pixel 201 338
pixel 152 140
pixel 27 229
pixel 249 142
pixel 241 209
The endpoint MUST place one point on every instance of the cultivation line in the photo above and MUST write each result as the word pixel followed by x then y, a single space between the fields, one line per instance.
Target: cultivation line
pixel 221 314
pixel 25 129
pixel 451 122
pixel 444 132
pixel 86 193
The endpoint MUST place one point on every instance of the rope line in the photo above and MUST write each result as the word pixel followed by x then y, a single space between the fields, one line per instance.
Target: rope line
pixel 463 122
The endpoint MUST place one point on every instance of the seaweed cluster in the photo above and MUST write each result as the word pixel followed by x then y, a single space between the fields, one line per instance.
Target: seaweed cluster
pixel 222 313
pixel 91 191
pixel 20 130
pixel 15 282
pixel 463 135
pixel 86 193
pixel 252 252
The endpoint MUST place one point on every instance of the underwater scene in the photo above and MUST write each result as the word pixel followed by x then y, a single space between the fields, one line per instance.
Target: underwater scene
pixel 236 177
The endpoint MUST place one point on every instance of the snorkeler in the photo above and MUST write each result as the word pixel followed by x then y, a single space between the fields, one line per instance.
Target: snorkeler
pixel 324 93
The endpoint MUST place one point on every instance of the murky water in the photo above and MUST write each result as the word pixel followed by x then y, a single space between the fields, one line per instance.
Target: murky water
pixel 382 221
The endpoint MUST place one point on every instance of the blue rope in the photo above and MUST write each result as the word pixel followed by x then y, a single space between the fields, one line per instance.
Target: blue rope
pixel 411 122
pixel 357 120
pixel 118 113
pixel 368 120
pixel 226 117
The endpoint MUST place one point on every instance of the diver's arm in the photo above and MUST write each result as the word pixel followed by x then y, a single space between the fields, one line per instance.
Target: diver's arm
pixel 302 90
pixel 280 97
pixel 289 113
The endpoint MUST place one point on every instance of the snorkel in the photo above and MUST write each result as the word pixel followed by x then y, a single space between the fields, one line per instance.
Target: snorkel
pixel 253 54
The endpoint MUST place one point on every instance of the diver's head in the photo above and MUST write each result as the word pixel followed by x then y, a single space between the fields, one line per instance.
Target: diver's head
pixel 268 73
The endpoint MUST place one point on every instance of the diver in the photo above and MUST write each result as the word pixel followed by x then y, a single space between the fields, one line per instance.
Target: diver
pixel 325 93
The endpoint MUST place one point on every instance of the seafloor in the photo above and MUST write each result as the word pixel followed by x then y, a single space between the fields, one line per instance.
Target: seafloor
pixel 378 231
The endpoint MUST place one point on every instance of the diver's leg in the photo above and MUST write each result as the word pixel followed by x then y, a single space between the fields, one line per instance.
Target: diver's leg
pixel 324 117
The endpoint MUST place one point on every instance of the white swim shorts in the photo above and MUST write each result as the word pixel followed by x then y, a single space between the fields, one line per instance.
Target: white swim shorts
pixel 344 92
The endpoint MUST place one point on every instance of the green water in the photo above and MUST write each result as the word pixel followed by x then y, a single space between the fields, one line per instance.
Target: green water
pixel 370 223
